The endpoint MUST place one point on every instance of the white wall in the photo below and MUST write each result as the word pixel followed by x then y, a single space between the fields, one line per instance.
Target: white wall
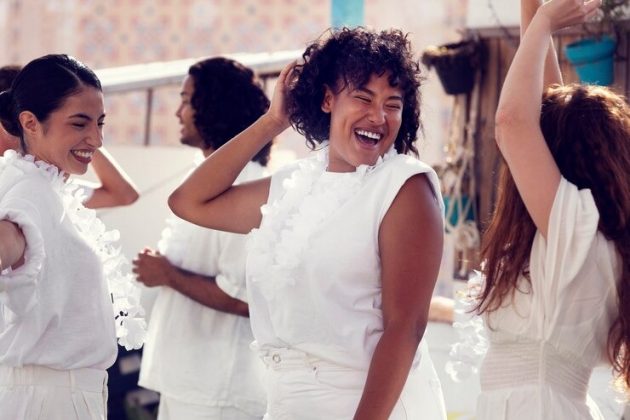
pixel 480 13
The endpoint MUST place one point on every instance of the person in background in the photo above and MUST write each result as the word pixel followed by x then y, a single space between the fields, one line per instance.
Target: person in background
pixel 556 291
pixel 197 354
pixel 345 246
pixel 59 270
pixel 7 74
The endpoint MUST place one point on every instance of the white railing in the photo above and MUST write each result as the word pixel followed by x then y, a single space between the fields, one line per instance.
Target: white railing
pixel 148 77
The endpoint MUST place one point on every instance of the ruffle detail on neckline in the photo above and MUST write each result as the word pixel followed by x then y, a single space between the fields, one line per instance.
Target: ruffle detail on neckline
pixel 277 248
pixel 124 293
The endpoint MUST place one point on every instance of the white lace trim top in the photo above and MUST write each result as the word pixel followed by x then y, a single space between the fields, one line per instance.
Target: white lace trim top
pixel 56 309
pixel 546 341
pixel 313 266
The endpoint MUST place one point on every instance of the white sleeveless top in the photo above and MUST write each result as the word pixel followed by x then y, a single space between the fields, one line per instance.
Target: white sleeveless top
pixel 313 269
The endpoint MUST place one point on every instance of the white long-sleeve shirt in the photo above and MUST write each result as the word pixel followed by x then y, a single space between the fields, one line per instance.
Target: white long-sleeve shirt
pixel 55 310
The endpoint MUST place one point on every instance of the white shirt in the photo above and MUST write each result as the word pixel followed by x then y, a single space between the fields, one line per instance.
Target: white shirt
pixel 545 343
pixel 55 310
pixel 193 353
pixel 314 273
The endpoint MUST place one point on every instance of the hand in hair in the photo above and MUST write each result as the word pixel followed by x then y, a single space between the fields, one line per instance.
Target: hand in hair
pixel 278 108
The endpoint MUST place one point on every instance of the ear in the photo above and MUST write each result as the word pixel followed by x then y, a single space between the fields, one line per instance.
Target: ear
pixel 29 122
pixel 328 99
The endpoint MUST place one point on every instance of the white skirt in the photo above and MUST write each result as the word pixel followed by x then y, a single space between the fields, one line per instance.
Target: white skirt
pixel 302 387
pixel 37 392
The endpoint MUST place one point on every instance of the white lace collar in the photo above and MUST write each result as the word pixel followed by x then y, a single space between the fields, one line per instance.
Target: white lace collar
pixel 278 246
pixel 124 292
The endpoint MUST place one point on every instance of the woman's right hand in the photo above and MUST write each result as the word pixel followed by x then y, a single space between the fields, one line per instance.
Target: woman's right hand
pixel 278 109
pixel 565 13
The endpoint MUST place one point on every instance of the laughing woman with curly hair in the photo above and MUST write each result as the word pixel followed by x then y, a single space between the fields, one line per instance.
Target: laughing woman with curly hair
pixel 345 250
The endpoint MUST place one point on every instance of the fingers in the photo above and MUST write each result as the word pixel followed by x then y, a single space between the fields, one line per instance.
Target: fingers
pixel 286 71
pixel 591 7
pixel 564 13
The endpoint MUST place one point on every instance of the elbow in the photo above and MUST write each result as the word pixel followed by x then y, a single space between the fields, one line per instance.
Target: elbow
pixel 507 120
pixel 412 329
pixel 175 203
pixel 129 197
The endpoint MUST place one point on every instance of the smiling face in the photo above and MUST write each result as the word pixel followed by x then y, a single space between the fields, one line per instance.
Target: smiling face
pixel 70 134
pixel 186 115
pixel 364 122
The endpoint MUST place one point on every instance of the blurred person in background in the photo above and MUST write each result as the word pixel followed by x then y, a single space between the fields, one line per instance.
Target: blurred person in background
pixel 197 354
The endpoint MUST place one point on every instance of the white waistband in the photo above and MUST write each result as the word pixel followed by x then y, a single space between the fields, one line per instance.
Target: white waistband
pixel 282 358
pixel 91 380
pixel 521 364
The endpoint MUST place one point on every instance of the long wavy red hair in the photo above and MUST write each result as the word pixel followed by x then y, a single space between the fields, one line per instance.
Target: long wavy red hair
pixel 587 129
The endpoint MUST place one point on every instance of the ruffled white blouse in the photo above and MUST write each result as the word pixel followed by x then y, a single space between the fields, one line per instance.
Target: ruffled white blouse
pixel 313 269
pixel 56 309
pixel 545 343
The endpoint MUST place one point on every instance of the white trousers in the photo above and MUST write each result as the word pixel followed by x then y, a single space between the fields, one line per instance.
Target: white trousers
pixel 37 392
pixel 300 387
pixel 172 409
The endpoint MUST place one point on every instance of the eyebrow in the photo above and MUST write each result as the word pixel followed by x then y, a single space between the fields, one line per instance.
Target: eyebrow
pixel 85 116
pixel 370 92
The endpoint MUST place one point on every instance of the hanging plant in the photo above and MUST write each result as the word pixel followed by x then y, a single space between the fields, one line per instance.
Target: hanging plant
pixel 593 56
pixel 455 64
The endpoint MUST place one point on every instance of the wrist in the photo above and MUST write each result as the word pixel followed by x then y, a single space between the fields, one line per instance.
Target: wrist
pixel 273 125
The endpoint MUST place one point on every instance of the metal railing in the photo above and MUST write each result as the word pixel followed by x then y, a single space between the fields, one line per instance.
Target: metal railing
pixel 148 77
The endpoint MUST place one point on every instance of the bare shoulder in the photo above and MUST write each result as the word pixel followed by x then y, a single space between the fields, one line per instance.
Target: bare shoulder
pixel 417 198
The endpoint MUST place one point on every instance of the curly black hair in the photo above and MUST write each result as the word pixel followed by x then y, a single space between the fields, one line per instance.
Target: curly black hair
pixel 349 57
pixel 227 99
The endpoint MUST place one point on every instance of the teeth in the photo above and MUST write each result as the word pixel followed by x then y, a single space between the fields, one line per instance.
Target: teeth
pixel 369 134
pixel 83 154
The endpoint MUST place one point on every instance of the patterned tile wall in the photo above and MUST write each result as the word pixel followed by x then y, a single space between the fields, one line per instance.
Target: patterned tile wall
pixel 108 33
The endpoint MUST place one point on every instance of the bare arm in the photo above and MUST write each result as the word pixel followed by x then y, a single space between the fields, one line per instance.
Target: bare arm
pixel 116 187
pixel 12 245
pixel 552 73
pixel 518 132
pixel 208 198
pixel 153 269
pixel 410 242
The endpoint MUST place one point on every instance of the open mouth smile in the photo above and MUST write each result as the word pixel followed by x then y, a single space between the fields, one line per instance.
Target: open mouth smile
pixel 369 138
pixel 83 156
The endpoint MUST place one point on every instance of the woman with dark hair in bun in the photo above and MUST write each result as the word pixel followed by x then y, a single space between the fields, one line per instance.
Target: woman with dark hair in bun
pixel 57 328
pixel 345 245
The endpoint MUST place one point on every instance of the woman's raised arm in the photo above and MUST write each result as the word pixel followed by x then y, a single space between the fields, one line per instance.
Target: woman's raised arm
pixel 517 130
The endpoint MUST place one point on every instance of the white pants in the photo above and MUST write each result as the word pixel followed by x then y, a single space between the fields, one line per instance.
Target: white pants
pixel 172 409
pixel 37 392
pixel 302 387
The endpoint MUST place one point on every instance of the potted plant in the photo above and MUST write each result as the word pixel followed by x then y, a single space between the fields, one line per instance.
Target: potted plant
pixel 455 63
pixel 593 56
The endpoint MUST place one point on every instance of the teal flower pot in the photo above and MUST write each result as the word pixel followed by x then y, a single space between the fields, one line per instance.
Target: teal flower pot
pixel 593 60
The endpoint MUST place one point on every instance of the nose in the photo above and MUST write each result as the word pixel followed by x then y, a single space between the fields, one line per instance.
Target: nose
pixel 178 112
pixel 96 138
pixel 376 114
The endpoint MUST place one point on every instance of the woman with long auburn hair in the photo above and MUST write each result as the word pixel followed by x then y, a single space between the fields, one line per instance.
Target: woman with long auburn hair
pixel 556 292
